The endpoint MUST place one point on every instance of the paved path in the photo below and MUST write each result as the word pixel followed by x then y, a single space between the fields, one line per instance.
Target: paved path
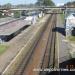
pixel 63 44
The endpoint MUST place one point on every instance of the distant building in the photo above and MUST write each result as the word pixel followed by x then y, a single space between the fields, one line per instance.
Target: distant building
pixel 8 13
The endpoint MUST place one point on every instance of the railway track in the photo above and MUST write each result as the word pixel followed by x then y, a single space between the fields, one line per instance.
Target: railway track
pixel 49 55
pixel 42 52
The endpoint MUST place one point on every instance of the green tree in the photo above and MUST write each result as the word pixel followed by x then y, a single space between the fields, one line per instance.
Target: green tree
pixel 45 2
pixel 8 5
pixel 0 14
pixel 17 14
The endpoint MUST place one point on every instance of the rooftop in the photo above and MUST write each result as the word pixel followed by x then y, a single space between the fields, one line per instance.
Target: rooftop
pixel 10 28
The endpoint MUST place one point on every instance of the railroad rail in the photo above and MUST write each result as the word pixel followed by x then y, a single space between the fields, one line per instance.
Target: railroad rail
pixel 42 52
pixel 49 55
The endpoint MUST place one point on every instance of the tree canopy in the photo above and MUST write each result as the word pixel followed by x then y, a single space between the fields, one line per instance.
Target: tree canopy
pixel 45 3
pixel 8 5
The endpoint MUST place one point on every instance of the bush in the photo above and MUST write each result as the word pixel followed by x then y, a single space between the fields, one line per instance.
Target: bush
pixel 17 14
pixel 0 14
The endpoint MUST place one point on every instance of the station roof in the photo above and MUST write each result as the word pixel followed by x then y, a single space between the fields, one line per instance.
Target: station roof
pixel 10 28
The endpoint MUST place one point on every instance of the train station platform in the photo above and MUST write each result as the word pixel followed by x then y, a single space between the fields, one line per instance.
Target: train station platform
pixel 20 45
pixel 6 20
pixel 11 29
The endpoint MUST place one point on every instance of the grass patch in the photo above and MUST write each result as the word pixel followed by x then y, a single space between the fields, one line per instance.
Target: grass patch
pixel 3 49
pixel 63 16
pixel 72 38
